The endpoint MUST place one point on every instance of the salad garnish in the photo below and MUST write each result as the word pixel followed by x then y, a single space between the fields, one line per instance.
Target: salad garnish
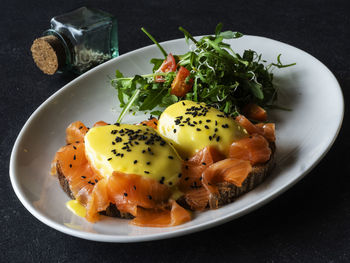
pixel 211 72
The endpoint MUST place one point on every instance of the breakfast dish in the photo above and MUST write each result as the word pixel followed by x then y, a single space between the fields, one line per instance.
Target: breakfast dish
pixel 201 153
pixel 194 157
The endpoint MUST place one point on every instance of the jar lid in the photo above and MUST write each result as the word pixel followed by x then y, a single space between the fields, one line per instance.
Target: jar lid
pixel 48 53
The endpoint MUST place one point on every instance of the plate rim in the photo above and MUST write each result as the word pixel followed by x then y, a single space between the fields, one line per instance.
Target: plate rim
pixel 178 232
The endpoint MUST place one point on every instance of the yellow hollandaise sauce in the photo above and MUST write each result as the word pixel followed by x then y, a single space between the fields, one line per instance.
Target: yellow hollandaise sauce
pixel 191 126
pixel 132 149
pixel 77 208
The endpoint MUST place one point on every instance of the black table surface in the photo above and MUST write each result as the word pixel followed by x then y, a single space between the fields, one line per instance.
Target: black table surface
pixel 308 223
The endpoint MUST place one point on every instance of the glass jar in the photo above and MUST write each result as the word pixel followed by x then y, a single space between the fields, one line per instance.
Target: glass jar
pixel 77 41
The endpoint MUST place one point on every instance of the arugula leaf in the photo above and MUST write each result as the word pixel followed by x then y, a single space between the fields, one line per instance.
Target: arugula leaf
pixel 230 34
pixel 153 98
pixel 157 62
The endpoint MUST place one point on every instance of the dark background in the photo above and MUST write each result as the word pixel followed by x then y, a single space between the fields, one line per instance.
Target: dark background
pixel 308 223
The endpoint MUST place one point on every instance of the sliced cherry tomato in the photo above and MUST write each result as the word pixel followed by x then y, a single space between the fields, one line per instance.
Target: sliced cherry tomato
pixel 168 65
pixel 179 87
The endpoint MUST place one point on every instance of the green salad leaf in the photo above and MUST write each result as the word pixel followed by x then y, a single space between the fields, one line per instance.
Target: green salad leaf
pixel 219 77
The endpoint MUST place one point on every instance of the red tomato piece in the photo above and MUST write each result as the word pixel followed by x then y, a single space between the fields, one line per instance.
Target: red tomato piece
pixel 168 65
pixel 180 87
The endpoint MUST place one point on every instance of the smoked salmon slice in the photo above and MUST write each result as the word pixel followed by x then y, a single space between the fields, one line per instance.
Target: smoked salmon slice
pixel 255 112
pixel 174 216
pixel 98 201
pixel 197 198
pixel 193 168
pixel 254 148
pixel 73 164
pixel 231 170
pixel 268 131
pixel 128 191
pixel 153 122
pixel 76 132
pixel 100 123
pixel 265 129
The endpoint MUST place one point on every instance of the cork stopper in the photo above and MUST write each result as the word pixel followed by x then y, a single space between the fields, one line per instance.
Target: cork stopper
pixel 48 53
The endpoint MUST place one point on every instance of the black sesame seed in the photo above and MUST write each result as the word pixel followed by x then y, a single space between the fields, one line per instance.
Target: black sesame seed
pixel 208 120
pixel 179 175
pixel 74 147
pixel 143 151
pixel 216 123
pixel 204 163
pixel 183 103
pixel 148 163
pixel 74 157
pixel 210 138
pixel 149 197
pixel 216 129
pixel 135 161
pixel 125 194
pixel 174 131
pixel 198 129
pixel 80 127
pixel 206 126
pixel 186 179
pixel 134 187
pixel 146 172
pixel 218 138
pixel 171 157
pixel 186 167
pixel 170 183
pixel 96 180
pixel 83 176
pixel 70 165
pixel 109 159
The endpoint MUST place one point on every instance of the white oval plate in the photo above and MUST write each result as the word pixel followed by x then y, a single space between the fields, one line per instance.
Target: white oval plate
pixel 304 135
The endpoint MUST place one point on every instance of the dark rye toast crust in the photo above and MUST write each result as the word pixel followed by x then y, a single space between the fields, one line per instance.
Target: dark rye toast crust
pixel 227 192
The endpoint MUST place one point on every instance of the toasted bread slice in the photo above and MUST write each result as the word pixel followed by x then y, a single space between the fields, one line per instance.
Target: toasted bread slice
pixel 227 192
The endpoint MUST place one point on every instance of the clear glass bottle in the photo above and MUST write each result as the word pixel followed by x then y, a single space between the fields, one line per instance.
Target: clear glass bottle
pixel 77 41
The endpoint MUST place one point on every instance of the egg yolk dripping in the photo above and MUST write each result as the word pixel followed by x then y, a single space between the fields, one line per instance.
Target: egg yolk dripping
pixel 191 126
pixel 132 149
